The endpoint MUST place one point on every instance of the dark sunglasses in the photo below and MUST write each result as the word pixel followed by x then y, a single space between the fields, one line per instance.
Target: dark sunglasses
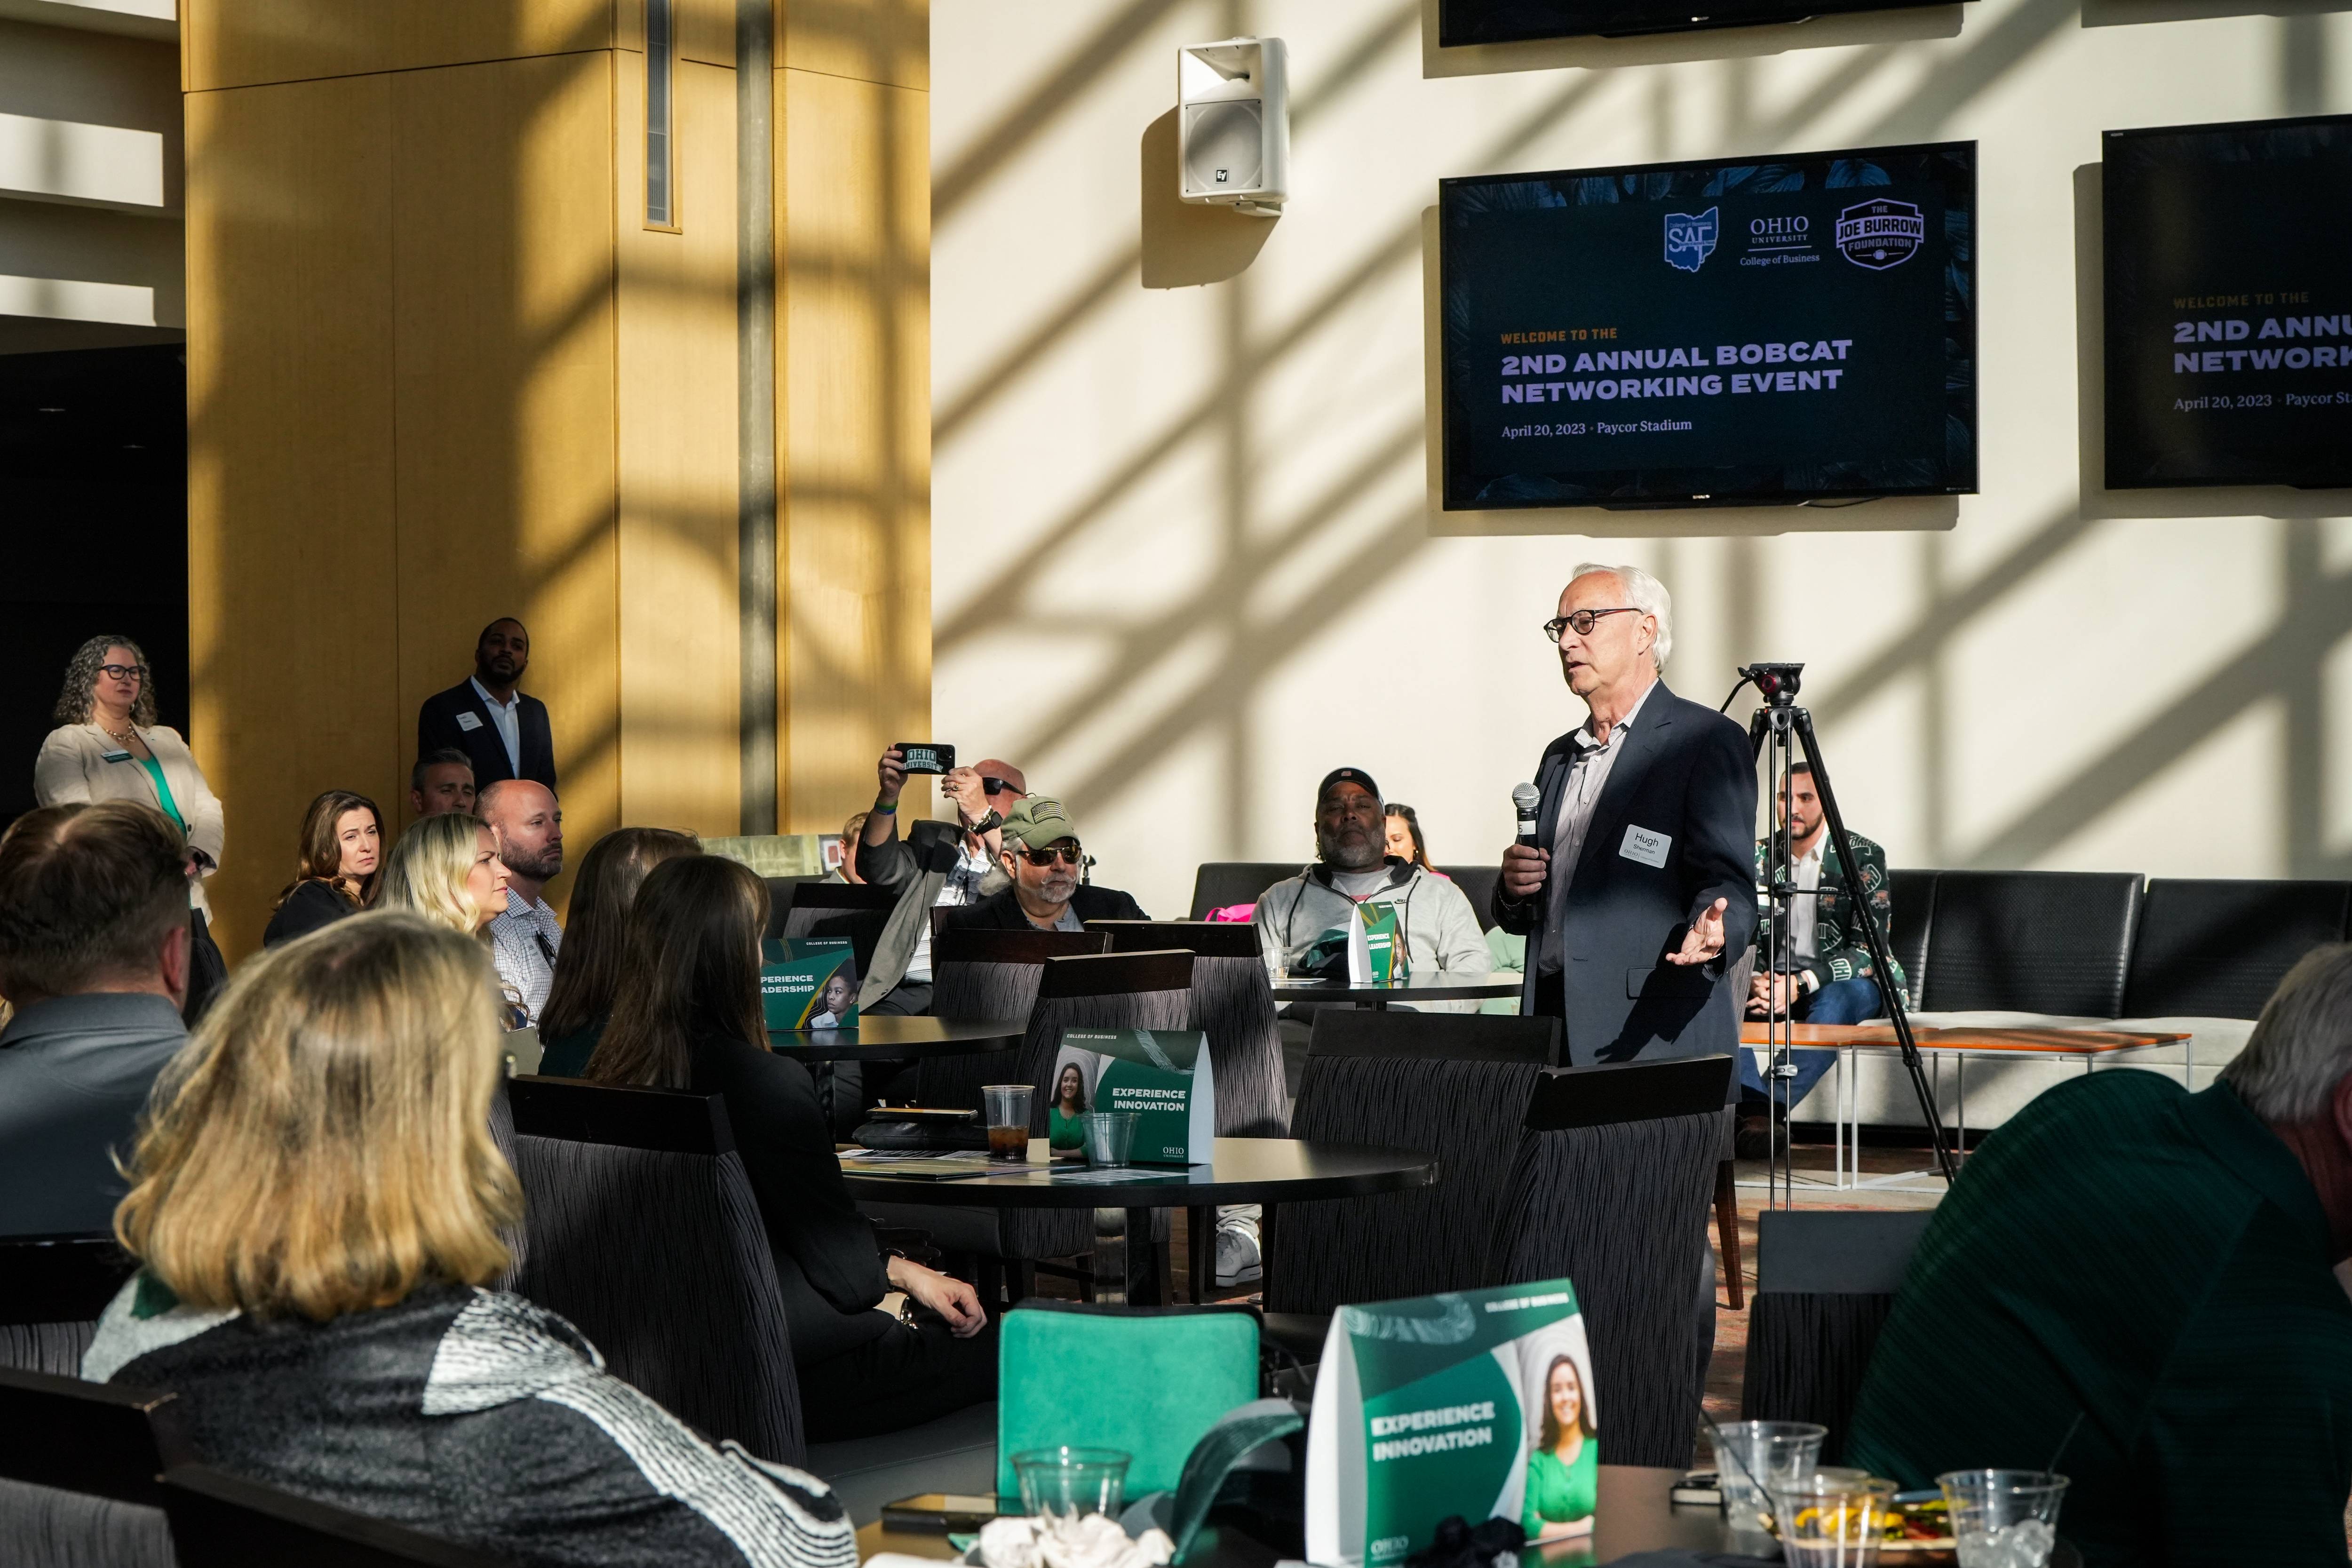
pixel 1070 855
pixel 998 786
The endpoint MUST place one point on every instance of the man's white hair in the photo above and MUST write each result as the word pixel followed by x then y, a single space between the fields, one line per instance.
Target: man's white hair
pixel 2302 1045
pixel 1648 595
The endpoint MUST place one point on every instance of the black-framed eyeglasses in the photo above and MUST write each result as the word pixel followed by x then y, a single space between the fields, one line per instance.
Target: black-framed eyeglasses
pixel 999 786
pixel 123 671
pixel 1067 853
pixel 1584 621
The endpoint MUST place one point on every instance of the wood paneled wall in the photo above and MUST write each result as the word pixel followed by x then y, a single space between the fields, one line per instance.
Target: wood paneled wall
pixel 440 372
pixel 852 400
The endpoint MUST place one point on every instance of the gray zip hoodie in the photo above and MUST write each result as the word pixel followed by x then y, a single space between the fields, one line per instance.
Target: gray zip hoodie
pixel 1441 928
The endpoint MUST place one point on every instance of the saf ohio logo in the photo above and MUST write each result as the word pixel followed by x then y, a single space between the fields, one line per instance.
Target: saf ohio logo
pixel 1690 240
pixel 1881 233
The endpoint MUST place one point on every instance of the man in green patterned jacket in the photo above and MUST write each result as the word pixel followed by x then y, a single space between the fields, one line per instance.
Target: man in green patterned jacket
pixel 1828 978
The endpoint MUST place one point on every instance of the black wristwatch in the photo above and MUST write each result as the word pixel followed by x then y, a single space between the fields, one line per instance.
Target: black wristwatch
pixel 994 819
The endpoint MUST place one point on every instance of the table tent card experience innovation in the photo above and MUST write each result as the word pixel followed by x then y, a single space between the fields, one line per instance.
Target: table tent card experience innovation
pixel 1474 1403
pixel 808 982
pixel 1162 1075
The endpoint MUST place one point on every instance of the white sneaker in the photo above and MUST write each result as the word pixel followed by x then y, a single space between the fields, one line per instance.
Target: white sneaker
pixel 1237 1258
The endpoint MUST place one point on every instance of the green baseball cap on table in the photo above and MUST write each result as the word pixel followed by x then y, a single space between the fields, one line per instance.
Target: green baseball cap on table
pixel 1038 821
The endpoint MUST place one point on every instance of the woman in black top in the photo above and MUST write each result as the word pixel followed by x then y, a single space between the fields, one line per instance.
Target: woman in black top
pixel 335 874
pixel 588 970
pixel 688 1017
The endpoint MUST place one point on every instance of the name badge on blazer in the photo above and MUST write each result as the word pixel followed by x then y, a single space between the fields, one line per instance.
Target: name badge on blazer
pixel 470 721
pixel 1640 844
pixel 116 756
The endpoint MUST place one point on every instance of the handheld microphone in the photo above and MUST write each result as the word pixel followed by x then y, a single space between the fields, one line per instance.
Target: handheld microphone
pixel 1526 797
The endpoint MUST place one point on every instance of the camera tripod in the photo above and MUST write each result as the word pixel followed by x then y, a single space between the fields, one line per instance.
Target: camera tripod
pixel 1775 733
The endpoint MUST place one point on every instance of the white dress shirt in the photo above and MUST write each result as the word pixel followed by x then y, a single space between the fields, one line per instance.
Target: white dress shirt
pixel 1804 914
pixel 508 717
pixel 524 941
pixel 962 887
pixel 1588 774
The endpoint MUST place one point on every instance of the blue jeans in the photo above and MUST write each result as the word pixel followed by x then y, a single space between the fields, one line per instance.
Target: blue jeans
pixel 1839 1002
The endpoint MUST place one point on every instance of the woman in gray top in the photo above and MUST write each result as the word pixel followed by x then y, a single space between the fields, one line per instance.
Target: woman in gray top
pixel 317 1200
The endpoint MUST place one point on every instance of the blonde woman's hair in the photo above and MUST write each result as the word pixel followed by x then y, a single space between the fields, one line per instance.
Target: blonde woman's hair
pixel 322 1145
pixel 426 873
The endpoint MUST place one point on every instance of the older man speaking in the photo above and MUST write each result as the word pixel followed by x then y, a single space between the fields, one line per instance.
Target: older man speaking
pixel 1640 881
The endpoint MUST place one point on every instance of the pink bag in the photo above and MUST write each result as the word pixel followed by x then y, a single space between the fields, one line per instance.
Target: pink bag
pixel 1236 914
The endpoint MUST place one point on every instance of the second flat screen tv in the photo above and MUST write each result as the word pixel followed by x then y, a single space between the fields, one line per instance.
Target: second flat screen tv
pixel 1728 332
pixel 1463 22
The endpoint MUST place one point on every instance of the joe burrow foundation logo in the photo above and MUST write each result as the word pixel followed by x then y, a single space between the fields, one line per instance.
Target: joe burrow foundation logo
pixel 1690 240
pixel 1881 233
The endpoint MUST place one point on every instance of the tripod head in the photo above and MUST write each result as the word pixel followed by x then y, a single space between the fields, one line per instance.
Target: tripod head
pixel 1776 683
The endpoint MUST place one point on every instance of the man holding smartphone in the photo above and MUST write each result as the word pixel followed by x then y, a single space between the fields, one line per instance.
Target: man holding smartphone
pixel 937 863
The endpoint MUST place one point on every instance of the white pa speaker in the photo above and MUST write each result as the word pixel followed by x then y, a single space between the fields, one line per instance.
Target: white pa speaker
pixel 1233 119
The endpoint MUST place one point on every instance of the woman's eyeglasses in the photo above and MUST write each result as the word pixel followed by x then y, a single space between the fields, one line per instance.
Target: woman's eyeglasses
pixel 1584 621
pixel 123 671
pixel 1067 853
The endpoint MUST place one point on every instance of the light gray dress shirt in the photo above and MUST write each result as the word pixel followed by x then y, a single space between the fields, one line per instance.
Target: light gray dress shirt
pixel 1588 775
pixel 524 941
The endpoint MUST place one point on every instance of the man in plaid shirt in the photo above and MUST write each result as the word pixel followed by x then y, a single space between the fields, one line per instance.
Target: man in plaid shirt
pixel 528 824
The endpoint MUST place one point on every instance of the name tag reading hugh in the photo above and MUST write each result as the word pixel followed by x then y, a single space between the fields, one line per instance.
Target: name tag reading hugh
pixel 1640 844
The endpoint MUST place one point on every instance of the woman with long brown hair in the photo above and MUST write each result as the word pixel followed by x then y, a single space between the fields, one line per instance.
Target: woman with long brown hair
pixel 317 1202
pixel 335 872
pixel 588 969
pixel 688 1017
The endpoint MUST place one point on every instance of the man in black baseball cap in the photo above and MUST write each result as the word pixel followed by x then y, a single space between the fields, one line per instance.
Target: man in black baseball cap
pixel 1443 937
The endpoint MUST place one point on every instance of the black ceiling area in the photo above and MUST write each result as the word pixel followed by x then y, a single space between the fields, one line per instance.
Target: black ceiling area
pixel 93 510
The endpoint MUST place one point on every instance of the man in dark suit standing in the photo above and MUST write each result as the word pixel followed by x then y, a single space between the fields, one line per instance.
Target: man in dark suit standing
pixel 504 732
pixel 1640 884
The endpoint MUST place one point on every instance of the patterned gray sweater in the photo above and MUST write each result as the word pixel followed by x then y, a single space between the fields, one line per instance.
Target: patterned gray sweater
pixel 472 1416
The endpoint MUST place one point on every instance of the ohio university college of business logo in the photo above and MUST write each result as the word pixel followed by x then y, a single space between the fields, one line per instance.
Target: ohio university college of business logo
pixel 1690 239
pixel 1881 233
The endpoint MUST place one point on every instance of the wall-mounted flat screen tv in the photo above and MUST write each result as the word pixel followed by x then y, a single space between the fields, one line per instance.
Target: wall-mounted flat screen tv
pixel 1746 331
pixel 2229 304
pixel 1518 21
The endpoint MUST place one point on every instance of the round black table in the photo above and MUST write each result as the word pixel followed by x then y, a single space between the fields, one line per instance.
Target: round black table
pixel 1379 998
pixel 891 1036
pixel 1239 1170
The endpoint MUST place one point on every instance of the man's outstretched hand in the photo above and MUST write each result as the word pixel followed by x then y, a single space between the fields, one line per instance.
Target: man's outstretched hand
pixel 1705 938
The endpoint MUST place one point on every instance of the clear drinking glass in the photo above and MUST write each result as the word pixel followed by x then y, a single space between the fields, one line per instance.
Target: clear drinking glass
pixel 1831 1519
pixel 2003 1519
pixel 1111 1136
pixel 1068 1483
pixel 1008 1120
pixel 1753 1457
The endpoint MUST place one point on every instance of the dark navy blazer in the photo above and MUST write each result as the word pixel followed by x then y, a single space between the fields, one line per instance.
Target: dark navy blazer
pixel 438 726
pixel 1686 775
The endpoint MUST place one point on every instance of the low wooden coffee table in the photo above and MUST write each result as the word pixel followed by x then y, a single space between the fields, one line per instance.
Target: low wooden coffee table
pixel 2092 1048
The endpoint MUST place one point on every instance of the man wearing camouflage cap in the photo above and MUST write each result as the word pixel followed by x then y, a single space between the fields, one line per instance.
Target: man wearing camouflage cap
pixel 1044 855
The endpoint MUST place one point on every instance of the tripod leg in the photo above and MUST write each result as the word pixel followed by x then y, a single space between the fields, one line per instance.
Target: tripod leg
pixel 1881 962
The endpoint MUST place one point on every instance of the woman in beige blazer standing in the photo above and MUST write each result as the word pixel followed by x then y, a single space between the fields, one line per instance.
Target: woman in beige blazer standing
pixel 107 746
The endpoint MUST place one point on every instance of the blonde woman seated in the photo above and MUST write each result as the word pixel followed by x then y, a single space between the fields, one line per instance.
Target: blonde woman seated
pixel 445 869
pixel 316 1201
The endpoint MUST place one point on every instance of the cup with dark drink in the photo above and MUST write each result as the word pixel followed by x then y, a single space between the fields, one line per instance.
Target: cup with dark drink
pixel 1008 1120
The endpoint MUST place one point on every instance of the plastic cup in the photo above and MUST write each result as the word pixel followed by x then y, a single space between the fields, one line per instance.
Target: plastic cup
pixel 1831 1519
pixel 1008 1120
pixel 1111 1136
pixel 1069 1483
pixel 1753 1457
pixel 2003 1519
